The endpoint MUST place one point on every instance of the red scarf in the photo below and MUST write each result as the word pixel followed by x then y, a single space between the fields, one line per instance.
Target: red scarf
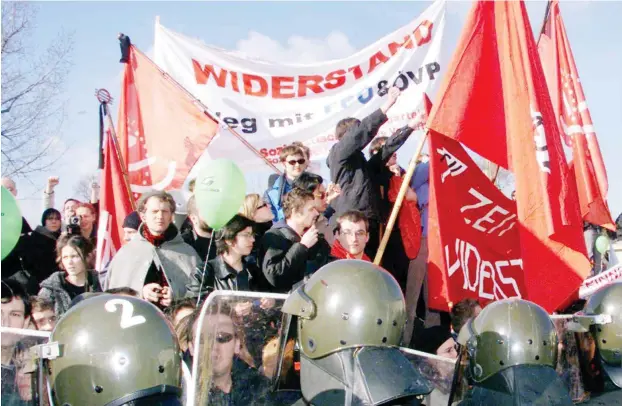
pixel 339 252
pixel 155 240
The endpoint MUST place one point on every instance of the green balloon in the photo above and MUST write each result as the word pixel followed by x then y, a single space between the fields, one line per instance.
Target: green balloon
pixel 602 244
pixel 219 192
pixel 11 222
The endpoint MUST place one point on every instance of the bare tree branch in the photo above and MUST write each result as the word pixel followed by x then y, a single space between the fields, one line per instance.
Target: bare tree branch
pixel 82 190
pixel 33 80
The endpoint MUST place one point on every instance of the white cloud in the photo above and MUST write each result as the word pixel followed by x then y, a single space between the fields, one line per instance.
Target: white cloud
pixel 297 49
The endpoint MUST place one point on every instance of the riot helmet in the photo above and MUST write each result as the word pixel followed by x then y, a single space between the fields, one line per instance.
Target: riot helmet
pixel 351 316
pixel 608 335
pixel 113 350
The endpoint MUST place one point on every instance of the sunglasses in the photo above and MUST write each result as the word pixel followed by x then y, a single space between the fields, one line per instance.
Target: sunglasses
pixel 223 338
pixel 262 206
pixel 300 161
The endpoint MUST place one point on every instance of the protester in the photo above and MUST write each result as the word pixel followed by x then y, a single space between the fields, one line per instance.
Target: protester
pixel 88 218
pixel 42 246
pixel 157 263
pixel 294 163
pixel 354 174
pixel 352 236
pixel 180 309
pixel 229 271
pixel 461 312
pixel 42 313
pixel 130 226
pixel 323 196
pixel 256 209
pixel 293 248
pixel 307 151
pixel 199 236
pixel 74 278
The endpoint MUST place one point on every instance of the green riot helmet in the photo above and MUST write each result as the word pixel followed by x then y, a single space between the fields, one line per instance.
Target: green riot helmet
pixel 113 350
pixel 509 333
pixel 608 336
pixel 347 304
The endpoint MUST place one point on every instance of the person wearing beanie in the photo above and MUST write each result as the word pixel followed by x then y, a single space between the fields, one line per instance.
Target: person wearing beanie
pixel 41 261
pixel 130 226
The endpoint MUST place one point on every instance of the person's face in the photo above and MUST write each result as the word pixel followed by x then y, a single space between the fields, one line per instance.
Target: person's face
pixel 13 315
pixel 295 165
pixel 128 233
pixel 70 209
pixel 448 349
pixel 53 223
pixel 263 213
pixel 353 236
pixel 87 218
pixel 320 198
pixel 157 216
pixel 181 313
pixel 10 186
pixel 307 216
pixel 72 261
pixel 220 332
pixel 243 242
pixel 45 320
pixel 392 161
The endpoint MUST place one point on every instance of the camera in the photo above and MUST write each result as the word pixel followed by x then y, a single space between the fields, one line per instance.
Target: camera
pixel 73 225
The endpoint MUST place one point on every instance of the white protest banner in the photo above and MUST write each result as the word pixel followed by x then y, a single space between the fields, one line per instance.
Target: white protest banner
pixel 273 104
pixel 593 284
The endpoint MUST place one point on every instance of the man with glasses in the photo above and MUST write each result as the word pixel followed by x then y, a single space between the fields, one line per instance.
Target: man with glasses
pixel 323 196
pixel 352 236
pixel 294 162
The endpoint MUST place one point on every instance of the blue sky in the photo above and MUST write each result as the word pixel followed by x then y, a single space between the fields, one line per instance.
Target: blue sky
pixel 285 31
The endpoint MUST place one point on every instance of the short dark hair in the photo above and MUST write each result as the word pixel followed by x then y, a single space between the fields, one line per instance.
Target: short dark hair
pixel 71 200
pixel 12 290
pixel 308 181
pixel 237 224
pixel 177 305
pixel 461 312
pixel 158 194
pixel 295 201
pixel 376 144
pixel 123 290
pixel 354 216
pixel 344 125
pixel 38 304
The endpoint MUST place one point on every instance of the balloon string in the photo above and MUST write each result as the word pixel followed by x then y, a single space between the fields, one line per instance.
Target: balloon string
pixel 209 247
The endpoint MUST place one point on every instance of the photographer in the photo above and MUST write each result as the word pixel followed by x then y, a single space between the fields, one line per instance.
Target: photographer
pixel 293 248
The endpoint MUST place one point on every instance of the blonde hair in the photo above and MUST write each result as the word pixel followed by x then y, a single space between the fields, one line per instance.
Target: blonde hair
pixel 251 204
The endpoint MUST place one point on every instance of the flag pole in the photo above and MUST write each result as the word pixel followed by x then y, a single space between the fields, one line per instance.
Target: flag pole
pixel 124 39
pixel 400 199
pixel 546 17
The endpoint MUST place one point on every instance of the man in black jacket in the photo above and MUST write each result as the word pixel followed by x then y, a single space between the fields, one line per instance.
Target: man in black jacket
pixel 355 175
pixel 293 248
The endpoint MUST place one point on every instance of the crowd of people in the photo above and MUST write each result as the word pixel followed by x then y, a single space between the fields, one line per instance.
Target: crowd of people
pixel 300 224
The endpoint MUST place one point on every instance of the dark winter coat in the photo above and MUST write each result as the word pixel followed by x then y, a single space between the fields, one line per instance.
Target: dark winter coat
pixel 285 261
pixel 42 253
pixel 355 174
pixel 54 289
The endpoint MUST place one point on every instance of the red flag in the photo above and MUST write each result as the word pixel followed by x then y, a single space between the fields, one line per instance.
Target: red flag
pixel 574 120
pixel 473 238
pixel 163 130
pixel 494 99
pixel 114 202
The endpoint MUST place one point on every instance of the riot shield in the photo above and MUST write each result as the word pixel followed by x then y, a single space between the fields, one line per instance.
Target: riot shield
pixel 235 349
pixel 568 359
pixel 21 379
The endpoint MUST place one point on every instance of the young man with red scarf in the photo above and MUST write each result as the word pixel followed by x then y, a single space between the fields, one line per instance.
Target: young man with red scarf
pixel 157 262
pixel 352 235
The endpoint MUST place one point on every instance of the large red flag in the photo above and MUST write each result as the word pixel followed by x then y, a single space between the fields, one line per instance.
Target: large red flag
pixel 573 118
pixel 163 130
pixel 114 202
pixel 494 99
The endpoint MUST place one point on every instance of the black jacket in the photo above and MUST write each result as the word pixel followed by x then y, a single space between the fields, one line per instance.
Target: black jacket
pixel 220 276
pixel 41 257
pixel 200 244
pixel 285 261
pixel 356 176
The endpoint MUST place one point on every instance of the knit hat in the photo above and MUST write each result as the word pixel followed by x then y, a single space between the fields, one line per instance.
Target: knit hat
pixel 132 221
pixel 47 213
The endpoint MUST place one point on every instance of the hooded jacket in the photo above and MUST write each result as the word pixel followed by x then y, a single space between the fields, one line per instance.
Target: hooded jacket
pixel 285 261
pixel 174 257
pixel 54 289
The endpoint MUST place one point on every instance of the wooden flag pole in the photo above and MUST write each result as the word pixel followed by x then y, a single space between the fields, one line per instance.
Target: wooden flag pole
pixel 400 199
